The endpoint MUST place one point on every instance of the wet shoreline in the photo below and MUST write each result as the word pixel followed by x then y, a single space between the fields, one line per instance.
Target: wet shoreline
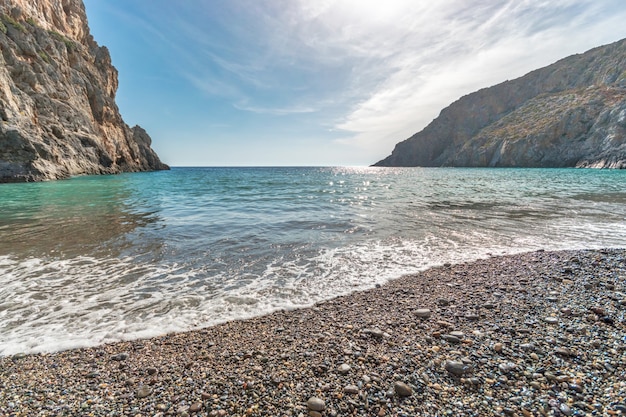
pixel 539 333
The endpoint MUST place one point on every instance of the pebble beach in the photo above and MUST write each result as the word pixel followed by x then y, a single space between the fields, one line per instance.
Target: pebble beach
pixel 535 334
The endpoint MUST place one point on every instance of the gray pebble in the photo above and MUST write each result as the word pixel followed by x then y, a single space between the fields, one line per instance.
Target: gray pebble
pixel 450 338
pixel 143 391
pixel 457 368
pixel 564 408
pixel 351 389
pixel 316 404
pixel 563 351
pixel 507 367
pixel 344 368
pixel 120 356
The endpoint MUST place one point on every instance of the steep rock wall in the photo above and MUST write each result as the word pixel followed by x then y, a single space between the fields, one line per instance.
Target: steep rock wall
pixel 58 115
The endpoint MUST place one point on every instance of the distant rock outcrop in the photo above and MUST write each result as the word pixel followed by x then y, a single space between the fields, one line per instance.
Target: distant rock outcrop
pixel 58 115
pixel 569 114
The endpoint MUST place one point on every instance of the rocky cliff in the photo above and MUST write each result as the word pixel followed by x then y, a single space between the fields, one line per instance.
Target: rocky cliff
pixel 58 115
pixel 569 114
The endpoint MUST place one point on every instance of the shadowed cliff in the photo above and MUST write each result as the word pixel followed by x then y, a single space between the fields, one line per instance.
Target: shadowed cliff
pixel 569 114
pixel 58 115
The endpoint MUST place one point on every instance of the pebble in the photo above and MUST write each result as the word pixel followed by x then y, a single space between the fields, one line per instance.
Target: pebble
pixel 423 313
pixel 510 363
pixel 551 320
pixel 507 367
pixel 598 310
pixel 563 351
pixel 576 388
pixel 316 404
pixel 457 368
pixel 143 391
pixel 450 338
pixel 120 356
pixel 195 407
pixel 351 389
pixel 564 408
pixel 344 368
pixel 402 389
pixel 376 333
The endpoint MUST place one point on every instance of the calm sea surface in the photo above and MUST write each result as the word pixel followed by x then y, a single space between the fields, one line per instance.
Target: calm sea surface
pixel 97 259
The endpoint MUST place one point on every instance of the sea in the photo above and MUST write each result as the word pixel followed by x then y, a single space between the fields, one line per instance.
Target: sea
pixel 97 259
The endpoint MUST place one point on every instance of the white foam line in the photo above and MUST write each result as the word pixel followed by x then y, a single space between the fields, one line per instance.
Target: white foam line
pixel 60 304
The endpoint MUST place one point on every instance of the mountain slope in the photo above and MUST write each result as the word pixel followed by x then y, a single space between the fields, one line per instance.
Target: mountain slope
pixel 58 115
pixel 569 114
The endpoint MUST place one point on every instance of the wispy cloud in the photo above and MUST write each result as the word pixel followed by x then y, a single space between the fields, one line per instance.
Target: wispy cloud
pixel 412 70
pixel 371 71
pixel 275 111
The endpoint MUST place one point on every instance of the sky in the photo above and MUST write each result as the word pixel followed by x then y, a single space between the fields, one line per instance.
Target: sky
pixel 323 82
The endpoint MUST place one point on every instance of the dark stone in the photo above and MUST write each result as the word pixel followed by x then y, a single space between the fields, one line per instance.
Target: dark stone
pixel 402 389
pixel 120 356
pixel 457 368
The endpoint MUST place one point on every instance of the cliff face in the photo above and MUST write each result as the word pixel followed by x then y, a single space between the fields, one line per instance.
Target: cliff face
pixel 569 114
pixel 58 115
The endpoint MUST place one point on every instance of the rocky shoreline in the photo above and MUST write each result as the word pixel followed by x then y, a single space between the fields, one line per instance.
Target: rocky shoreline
pixel 541 333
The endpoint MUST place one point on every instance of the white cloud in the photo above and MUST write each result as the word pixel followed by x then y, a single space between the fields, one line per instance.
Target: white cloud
pixel 376 70
pixel 453 48
pixel 275 111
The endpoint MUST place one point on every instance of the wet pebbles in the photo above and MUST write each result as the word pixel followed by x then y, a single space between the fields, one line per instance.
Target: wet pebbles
pixel 538 334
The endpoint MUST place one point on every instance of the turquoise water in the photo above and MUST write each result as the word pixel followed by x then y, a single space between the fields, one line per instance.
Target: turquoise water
pixel 97 259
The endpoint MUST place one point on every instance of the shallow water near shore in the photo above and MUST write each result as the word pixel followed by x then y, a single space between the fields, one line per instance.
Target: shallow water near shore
pixel 98 259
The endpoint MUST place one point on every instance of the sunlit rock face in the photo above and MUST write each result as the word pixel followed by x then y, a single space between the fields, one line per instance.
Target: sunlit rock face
pixel 58 115
pixel 569 114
